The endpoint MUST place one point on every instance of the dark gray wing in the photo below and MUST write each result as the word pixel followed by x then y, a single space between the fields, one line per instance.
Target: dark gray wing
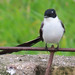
pixel 63 26
pixel 41 32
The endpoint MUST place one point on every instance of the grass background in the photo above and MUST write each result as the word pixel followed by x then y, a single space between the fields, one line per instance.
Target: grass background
pixel 20 21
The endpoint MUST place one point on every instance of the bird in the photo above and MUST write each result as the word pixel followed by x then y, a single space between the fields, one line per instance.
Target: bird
pixel 51 31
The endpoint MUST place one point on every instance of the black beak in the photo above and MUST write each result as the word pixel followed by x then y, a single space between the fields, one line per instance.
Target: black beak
pixel 45 16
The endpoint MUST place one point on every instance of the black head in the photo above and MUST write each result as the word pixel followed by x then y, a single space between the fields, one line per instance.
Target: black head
pixel 50 13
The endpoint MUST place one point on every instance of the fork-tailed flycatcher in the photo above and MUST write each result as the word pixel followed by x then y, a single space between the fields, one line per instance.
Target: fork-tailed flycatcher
pixel 51 30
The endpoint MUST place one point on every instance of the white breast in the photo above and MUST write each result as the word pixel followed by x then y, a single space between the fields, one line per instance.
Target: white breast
pixel 52 30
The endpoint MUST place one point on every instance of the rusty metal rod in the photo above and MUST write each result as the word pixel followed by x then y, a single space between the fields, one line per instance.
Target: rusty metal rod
pixel 36 49
pixel 48 70
pixel 6 50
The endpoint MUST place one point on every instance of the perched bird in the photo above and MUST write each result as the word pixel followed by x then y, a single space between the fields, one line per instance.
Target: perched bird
pixel 51 30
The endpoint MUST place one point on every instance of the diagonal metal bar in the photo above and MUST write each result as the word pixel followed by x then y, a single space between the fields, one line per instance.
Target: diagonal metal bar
pixel 48 70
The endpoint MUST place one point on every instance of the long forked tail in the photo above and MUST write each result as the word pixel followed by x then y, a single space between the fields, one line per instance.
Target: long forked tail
pixel 27 44
pixel 30 43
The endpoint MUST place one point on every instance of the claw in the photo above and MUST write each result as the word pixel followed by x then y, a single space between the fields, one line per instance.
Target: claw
pixel 57 48
pixel 52 46
pixel 46 48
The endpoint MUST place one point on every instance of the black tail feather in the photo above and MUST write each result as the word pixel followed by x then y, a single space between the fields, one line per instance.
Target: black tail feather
pixel 30 43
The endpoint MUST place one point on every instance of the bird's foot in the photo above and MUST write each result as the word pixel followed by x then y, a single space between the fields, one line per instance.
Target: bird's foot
pixel 52 46
pixel 46 48
pixel 57 48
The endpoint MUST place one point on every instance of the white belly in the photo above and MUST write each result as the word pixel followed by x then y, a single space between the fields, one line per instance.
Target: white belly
pixel 52 32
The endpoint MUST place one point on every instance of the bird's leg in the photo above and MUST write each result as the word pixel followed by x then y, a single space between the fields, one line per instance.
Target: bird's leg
pixel 46 47
pixel 52 46
pixel 57 46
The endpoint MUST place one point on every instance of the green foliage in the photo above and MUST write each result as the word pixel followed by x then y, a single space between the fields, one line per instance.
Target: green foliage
pixel 20 21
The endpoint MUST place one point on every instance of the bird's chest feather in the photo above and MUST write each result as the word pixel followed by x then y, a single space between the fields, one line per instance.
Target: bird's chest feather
pixel 52 32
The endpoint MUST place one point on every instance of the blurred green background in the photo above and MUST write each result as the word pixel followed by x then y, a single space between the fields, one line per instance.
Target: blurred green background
pixel 20 21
